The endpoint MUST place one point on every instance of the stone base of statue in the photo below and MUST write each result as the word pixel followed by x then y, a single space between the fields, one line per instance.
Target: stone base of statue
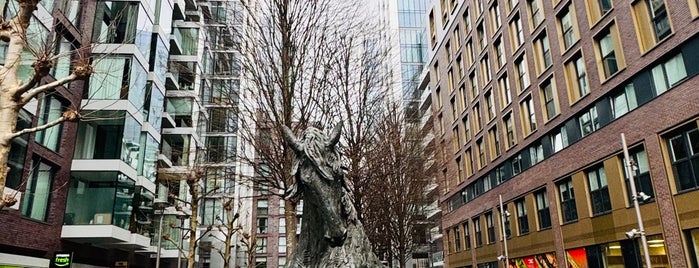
pixel 331 234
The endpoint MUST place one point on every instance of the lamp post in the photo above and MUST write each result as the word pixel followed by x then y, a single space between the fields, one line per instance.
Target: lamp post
pixel 628 166
pixel 160 206
pixel 503 216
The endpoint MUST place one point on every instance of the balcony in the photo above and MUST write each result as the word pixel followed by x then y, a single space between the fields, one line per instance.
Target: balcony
pixel 432 210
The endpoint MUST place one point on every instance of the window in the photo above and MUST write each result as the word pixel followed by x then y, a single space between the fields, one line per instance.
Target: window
pixel 115 22
pixel 261 225
pixel 467 235
pixel 495 19
pixel 447 51
pixel 438 97
pixel 517 164
pixel 599 191
pixel 471 57
pixel 457 239
pixel 528 115
pixel 499 53
pixel 467 22
pixel 651 13
pixel 568 27
pixel 282 225
pixel 597 8
pixel 469 162
pixel 456 37
pixel 450 82
pixel 476 117
pixel 262 207
pixel 491 227
pixel 542 207
pixel 485 70
pixel 669 74
pixel 641 173
pixel 522 219
pixel 479 7
pixel 36 199
pixel 460 68
pixel 505 91
pixel 508 230
pixel 536 13
pixel 440 118
pixel 477 231
pixel 494 141
pixel 559 139
pixel 51 109
pixel 624 101
pixel 543 53
pixel 261 245
pixel 474 85
pixel 460 170
pixel 490 105
pixel 589 122
pixel 509 130
pixel 455 138
pixel 110 80
pixel 683 147
pixel 482 39
pixel 282 262
pixel 481 153
pixel 454 110
pixel 467 128
pixel 260 262
pixel 511 4
pixel 536 153
pixel 576 76
pixel 521 69
pixel 435 70
pixel 549 98
pixel 609 49
pixel 516 33
pixel 463 97
pixel 282 244
pixel 567 197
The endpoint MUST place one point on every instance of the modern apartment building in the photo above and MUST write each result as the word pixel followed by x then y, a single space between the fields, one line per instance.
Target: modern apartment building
pixel 530 98
pixel 153 105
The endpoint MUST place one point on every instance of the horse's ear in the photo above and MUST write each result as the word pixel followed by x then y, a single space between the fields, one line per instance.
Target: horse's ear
pixel 291 139
pixel 335 135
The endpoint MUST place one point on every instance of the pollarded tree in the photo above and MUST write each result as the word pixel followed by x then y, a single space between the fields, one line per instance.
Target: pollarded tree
pixel 16 92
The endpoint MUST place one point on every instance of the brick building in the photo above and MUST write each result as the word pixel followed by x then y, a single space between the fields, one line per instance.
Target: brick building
pixel 529 100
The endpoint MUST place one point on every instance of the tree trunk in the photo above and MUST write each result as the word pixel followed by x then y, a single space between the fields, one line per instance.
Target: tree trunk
pixel 193 184
pixel 290 218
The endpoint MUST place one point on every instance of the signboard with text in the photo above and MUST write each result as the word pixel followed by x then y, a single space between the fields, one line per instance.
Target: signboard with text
pixel 62 260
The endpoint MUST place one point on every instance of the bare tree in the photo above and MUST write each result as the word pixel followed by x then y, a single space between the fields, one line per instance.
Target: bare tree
pixel 16 93
pixel 285 46
pixel 398 179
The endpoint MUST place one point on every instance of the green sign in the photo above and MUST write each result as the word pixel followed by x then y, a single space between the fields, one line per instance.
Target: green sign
pixel 62 260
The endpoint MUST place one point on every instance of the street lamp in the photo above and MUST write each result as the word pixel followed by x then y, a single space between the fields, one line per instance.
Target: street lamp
pixel 159 205
pixel 503 216
pixel 628 165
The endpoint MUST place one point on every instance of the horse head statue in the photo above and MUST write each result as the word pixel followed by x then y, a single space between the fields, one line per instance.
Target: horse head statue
pixel 331 234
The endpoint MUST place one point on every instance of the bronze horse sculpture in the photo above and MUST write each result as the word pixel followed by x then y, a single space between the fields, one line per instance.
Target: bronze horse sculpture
pixel 331 233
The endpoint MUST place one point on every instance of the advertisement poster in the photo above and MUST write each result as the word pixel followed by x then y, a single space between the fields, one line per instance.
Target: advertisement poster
pixel 576 258
pixel 546 260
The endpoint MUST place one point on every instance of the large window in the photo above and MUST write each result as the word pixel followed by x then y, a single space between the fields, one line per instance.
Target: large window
pixel 262 225
pixel 610 52
pixel 100 198
pixel 261 245
pixel 542 209
pixel 36 199
pixel 543 53
pixel 212 212
pixel 478 232
pixel 599 191
pixel 653 13
pixel 115 22
pixel 522 218
pixel 576 75
pixel 568 27
pixel 262 207
pixel 522 71
pixel 641 174
pixel 549 98
pixel 457 239
pixel 491 227
pixel 467 235
pixel 528 115
pixel 624 101
pixel 567 197
pixel 51 110
pixel 110 80
pixel 516 33
pixel 683 146
pixel 588 121
pixel 668 74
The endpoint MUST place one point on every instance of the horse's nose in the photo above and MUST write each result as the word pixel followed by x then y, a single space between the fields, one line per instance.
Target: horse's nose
pixel 336 241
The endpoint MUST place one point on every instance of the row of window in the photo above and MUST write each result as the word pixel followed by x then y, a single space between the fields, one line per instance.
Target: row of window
pixel 599 202
pixel 261 245
pixel 640 89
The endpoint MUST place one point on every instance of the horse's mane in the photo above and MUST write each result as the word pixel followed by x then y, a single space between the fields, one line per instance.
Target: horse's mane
pixel 327 160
